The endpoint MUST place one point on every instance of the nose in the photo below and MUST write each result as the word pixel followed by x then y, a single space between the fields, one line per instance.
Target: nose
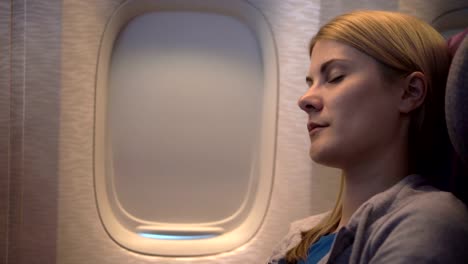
pixel 310 102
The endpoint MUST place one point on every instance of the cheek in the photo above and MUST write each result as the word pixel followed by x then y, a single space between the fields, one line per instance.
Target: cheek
pixel 361 115
pixel 348 108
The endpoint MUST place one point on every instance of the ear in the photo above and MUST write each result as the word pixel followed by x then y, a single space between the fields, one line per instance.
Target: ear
pixel 413 92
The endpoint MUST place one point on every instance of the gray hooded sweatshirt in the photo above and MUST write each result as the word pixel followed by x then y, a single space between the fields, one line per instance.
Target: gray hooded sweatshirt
pixel 411 222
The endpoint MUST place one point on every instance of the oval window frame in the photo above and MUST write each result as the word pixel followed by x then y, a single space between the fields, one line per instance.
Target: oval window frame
pixel 208 238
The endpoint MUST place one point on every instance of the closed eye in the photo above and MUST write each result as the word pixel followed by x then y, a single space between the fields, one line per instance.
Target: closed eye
pixel 337 79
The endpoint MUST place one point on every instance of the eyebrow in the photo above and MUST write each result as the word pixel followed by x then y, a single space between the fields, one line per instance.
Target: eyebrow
pixel 325 66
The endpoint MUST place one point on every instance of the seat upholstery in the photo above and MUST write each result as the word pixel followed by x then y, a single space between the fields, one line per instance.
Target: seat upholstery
pixel 456 101
pixel 456 114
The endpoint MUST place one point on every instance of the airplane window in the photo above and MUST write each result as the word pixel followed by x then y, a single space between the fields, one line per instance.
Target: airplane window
pixel 185 129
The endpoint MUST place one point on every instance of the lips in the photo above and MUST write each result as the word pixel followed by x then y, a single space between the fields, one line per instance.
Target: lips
pixel 311 126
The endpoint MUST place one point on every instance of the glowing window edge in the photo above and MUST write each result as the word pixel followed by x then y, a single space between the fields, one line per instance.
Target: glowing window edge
pixel 176 237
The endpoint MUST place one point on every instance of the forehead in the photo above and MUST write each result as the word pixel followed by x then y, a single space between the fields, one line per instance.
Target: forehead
pixel 325 50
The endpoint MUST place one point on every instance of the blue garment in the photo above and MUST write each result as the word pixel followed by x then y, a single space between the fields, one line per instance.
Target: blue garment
pixel 319 249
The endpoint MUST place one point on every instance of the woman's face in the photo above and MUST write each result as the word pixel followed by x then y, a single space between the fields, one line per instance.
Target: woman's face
pixel 352 111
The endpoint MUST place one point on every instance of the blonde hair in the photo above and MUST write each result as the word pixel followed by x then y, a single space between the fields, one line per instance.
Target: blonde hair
pixel 401 44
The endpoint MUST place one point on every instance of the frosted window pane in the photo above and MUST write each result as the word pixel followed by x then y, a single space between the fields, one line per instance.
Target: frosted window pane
pixel 185 100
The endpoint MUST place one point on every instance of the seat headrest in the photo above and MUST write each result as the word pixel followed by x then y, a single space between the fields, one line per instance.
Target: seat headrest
pixel 456 101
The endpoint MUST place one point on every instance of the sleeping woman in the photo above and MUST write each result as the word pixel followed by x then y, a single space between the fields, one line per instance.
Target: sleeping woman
pixel 376 86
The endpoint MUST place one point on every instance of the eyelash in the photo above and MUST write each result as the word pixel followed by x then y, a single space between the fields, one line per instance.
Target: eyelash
pixel 334 80
pixel 337 79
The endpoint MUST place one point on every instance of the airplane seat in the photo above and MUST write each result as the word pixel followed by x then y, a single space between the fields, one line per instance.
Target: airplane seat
pixel 456 114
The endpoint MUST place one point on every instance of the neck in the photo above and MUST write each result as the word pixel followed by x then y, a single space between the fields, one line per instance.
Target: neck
pixel 372 177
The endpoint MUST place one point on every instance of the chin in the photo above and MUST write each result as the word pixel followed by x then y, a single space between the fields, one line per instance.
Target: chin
pixel 324 157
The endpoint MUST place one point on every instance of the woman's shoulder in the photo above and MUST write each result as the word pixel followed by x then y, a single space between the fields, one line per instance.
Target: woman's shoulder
pixel 431 228
pixel 435 208
pixel 412 196
pixel 416 202
pixel 425 201
pixel 436 200
pixel 425 225
pixel 294 236
pixel 412 222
